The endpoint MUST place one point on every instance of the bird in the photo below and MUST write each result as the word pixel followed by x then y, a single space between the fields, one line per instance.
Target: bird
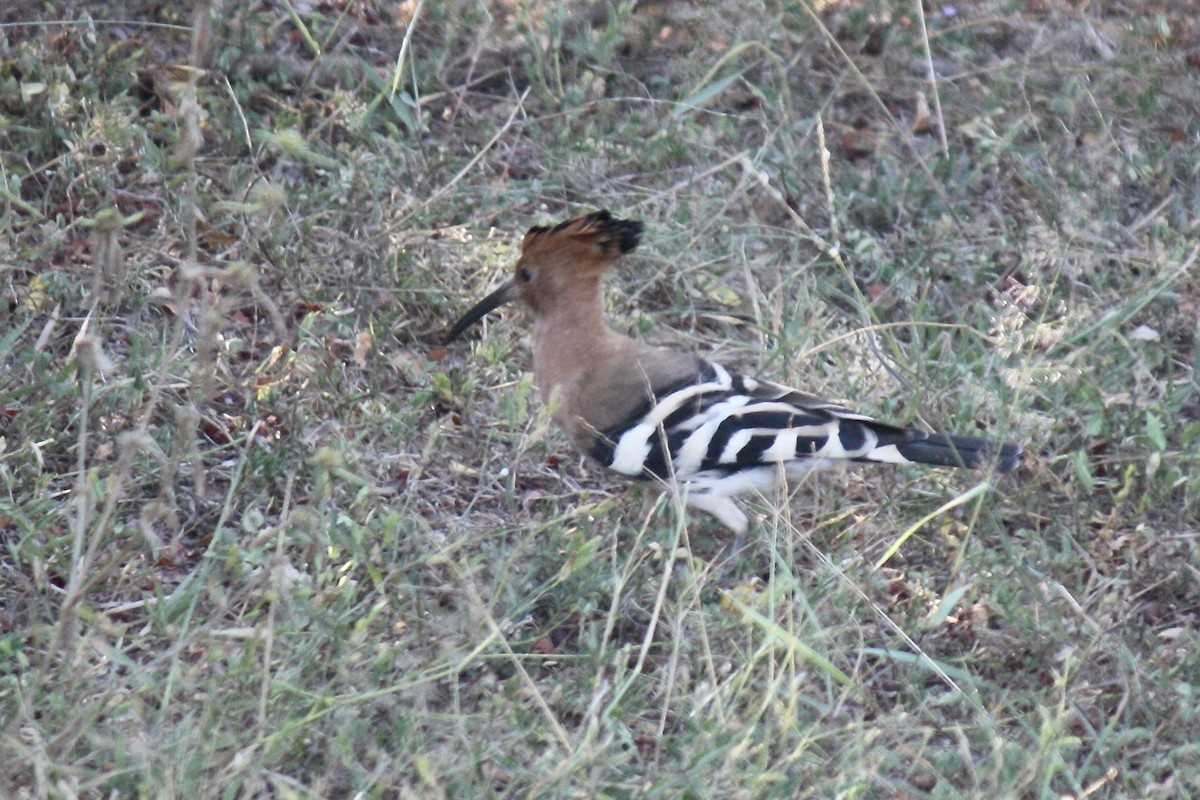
pixel 653 413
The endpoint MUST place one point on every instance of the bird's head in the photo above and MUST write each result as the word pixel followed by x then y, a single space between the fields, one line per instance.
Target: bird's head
pixel 559 264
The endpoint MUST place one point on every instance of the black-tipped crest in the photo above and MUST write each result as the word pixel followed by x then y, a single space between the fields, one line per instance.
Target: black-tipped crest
pixel 612 234
pixel 624 233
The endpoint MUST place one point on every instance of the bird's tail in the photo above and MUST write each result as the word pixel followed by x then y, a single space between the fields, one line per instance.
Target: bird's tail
pixel 944 450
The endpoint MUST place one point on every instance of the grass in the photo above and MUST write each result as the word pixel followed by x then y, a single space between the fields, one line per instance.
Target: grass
pixel 262 537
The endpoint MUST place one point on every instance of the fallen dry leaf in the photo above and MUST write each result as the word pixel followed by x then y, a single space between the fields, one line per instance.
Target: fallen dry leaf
pixel 364 342
pixel 921 122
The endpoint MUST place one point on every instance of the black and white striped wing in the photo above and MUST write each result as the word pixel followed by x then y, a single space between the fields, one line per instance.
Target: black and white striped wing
pixel 722 423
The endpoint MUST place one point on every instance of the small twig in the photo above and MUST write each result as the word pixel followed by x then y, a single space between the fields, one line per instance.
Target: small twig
pixel 272 607
pixel 874 95
pixel 477 51
pixel 827 180
pixel 477 157
pixel 48 329
pixel 497 634
pixel 691 179
pixel 84 502
pixel 398 74
pixel 241 114
pixel 217 539
pixel 21 205
pixel 931 74
pixel 830 249
pixel 1150 215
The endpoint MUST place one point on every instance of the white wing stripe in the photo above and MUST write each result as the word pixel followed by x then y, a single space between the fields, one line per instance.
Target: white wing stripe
pixel 736 442
pixel 888 454
pixel 691 455
pixel 665 406
pixel 632 449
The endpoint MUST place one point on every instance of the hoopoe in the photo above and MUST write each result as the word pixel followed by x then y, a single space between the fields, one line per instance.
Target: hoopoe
pixel 660 414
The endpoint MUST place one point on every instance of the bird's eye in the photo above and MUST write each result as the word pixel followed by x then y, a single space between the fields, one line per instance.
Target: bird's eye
pixel 524 275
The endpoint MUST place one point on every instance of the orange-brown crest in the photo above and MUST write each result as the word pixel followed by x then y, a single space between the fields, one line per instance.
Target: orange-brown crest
pixel 560 268
pixel 571 257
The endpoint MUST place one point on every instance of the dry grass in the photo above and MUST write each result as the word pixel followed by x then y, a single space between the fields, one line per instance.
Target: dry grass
pixel 262 538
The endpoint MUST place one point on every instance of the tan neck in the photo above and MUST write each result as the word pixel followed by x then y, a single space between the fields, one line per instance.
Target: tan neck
pixel 572 341
pixel 596 376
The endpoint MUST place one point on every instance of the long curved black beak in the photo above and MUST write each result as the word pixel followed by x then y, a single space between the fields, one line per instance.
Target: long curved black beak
pixel 494 300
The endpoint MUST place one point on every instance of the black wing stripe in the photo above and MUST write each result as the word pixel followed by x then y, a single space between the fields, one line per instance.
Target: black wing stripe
pixel 754 421
pixel 720 423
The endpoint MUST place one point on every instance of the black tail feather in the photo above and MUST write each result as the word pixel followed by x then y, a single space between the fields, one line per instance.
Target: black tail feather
pixel 972 452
